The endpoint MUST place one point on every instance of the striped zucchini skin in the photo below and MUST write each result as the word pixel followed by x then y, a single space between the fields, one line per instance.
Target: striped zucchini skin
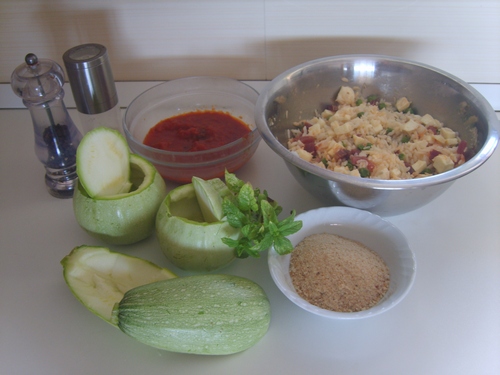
pixel 201 314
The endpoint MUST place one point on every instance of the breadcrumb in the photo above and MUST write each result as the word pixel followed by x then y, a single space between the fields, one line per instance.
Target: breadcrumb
pixel 338 274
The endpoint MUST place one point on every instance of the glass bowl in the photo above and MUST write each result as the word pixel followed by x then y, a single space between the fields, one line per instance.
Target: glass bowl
pixel 185 95
pixel 362 226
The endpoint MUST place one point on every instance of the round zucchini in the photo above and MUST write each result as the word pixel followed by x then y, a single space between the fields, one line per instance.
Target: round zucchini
pixel 201 314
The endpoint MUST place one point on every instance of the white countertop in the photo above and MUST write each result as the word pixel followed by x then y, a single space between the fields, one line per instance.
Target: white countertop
pixel 448 324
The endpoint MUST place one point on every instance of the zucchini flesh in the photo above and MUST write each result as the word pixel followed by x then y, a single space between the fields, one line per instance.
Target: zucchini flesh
pixel 202 314
pixel 99 277
pixel 102 163
pixel 209 200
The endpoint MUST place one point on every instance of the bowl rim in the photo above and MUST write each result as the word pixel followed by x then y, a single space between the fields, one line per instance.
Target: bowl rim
pixel 475 162
pixel 253 135
pixel 347 216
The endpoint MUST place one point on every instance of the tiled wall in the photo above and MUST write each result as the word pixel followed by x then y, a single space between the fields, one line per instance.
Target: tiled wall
pixel 253 39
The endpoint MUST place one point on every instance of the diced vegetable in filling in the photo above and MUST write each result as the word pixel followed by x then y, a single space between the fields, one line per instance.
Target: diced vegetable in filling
pixel 372 138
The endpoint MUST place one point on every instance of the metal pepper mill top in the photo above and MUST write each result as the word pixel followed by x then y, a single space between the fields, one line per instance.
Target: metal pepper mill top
pixel 39 82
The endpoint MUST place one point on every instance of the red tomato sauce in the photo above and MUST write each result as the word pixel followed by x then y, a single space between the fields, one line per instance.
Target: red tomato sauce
pixel 196 131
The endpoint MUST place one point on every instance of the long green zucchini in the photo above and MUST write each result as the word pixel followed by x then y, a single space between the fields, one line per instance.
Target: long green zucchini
pixel 201 314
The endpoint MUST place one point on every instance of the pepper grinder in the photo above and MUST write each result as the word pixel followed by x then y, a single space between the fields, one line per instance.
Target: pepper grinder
pixel 39 83
pixel 93 86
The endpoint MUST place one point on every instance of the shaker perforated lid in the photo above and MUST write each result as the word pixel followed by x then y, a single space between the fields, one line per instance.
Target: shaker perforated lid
pixel 91 79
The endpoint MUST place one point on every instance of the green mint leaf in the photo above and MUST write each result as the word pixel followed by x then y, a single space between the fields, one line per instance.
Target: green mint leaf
pixel 246 200
pixel 240 246
pixel 266 242
pixel 289 226
pixel 230 242
pixel 282 245
pixel 233 183
pixel 253 252
pixel 257 217
pixel 234 216
pixel 273 229
pixel 268 213
pixel 252 231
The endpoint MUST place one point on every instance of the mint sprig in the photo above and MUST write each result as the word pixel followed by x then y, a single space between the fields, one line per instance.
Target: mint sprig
pixel 257 217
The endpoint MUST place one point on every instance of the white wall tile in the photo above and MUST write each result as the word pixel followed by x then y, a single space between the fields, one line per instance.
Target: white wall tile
pixel 459 36
pixel 146 40
pixel 253 39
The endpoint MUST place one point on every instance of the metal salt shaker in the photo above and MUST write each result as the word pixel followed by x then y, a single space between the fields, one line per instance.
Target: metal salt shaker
pixel 93 86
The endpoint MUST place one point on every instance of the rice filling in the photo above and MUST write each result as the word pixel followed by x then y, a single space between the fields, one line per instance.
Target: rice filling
pixel 373 138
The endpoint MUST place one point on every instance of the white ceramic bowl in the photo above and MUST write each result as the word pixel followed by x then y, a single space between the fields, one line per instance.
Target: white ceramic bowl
pixel 358 225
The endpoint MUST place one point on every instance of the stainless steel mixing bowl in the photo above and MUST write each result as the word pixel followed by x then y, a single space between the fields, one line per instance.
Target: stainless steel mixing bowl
pixel 305 89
